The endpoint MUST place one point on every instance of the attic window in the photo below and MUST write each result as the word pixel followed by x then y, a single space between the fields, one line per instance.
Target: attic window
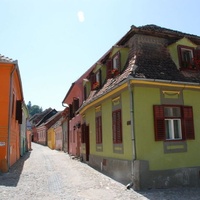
pixel 96 80
pixel 186 57
pixel 116 61
pixel 114 65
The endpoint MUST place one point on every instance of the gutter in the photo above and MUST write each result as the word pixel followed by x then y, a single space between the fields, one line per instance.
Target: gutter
pixel 10 114
pixel 132 130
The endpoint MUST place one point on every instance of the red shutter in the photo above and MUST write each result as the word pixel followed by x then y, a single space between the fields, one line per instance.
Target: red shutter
pixel 19 111
pixel 117 126
pixel 93 80
pixel 114 127
pixel 98 130
pixel 197 59
pixel 109 68
pixel 188 122
pixel 159 123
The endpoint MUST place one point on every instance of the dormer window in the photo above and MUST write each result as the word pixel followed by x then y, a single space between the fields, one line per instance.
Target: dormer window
pixel 116 61
pixel 98 76
pixel 114 65
pixel 186 57
pixel 96 80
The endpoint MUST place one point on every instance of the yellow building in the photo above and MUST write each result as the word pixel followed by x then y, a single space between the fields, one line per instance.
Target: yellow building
pixel 51 138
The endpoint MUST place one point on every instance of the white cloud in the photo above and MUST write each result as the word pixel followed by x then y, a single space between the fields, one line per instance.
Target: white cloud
pixel 81 17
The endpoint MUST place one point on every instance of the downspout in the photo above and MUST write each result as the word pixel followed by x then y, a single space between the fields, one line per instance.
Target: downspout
pixel 132 133
pixel 67 132
pixel 10 114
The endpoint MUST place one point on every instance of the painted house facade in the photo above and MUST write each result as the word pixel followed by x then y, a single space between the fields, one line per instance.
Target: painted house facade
pixel 11 99
pixel 54 133
pixel 23 131
pixel 73 99
pixel 58 136
pixel 44 124
pixel 140 111
pixel 65 126
pixel 34 120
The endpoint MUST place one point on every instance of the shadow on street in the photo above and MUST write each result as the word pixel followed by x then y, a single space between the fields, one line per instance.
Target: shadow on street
pixel 12 177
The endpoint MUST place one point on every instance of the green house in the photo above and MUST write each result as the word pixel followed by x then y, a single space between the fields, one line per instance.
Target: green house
pixel 141 110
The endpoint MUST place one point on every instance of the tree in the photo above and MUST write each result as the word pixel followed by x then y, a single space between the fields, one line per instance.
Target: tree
pixel 33 109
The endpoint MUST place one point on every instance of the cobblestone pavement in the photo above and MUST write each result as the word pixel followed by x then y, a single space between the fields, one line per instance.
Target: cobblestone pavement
pixel 48 174
pixel 52 175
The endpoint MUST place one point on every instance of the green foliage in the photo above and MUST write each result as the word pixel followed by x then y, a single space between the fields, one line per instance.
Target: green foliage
pixel 33 109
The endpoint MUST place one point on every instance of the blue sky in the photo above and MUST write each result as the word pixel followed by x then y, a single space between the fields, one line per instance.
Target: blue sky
pixel 56 41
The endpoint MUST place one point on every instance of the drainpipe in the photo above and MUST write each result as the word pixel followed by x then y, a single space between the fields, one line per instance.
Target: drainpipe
pixel 132 133
pixel 67 132
pixel 10 114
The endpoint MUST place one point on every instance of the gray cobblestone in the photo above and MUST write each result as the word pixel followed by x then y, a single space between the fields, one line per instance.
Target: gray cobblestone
pixel 48 174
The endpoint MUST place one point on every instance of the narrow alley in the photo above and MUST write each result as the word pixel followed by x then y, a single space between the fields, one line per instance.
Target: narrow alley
pixel 48 174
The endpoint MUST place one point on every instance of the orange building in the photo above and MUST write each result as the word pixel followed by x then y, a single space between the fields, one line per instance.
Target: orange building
pixel 11 99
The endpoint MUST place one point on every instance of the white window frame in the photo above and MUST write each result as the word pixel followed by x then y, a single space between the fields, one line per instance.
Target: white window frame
pixel 183 49
pixel 115 61
pixel 172 134
pixel 98 77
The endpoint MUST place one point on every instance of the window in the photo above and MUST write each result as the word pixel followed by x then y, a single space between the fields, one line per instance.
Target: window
pixel 173 122
pixel 96 80
pixel 113 65
pixel 75 105
pixel 116 61
pixel 117 126
pixel 18 113
pixel 186 55
pixel 85 92
pixel 98 130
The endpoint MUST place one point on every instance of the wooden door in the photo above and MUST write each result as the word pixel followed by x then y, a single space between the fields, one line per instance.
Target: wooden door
pixel 87 143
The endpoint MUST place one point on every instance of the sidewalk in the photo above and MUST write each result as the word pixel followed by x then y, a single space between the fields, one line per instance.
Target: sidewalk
pixel 48 174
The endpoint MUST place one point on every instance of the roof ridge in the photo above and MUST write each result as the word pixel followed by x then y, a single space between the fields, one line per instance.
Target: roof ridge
pixel 6 59
pixel 156 28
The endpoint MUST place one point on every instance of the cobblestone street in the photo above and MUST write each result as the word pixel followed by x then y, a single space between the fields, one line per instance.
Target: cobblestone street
pixel 48 174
